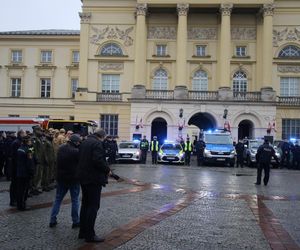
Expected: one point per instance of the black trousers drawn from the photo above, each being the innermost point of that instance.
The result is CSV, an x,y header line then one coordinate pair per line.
x,y
144,156
285,160
260,168
187,158
200,157
13,185
90,204
239,161
154,157
22,191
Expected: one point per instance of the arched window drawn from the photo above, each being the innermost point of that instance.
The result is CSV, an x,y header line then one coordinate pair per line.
x,y
200,81
111,49
290,51
160,80
240,82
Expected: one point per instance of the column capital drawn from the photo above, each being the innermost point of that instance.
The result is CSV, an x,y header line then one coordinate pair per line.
x,y
85,16
226,9
268,9
141,9
182,9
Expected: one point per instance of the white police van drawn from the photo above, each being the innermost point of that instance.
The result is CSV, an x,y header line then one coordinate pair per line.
x,y
219,147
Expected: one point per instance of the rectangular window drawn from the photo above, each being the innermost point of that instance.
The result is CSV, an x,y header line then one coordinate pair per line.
x,y
46,56
10,115
16,56
44,116
161,50
110,124
75,56
200,50
290,128
74,86
45,87
15,87
110,83
241,51
289,86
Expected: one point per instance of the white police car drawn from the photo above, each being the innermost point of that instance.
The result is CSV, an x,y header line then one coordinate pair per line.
x,y
171,152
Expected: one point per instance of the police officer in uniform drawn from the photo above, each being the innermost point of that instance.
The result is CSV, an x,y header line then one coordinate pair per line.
x,y
188,149
144,147
154,149
239,148
263,157
200,146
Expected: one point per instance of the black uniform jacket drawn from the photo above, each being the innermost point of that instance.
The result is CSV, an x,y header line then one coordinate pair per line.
x,y
93,168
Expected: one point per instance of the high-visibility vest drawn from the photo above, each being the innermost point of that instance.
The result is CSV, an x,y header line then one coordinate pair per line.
x,y
188,147
154,147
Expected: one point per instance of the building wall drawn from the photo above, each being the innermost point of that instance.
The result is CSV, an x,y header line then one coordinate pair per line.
x,y
115,21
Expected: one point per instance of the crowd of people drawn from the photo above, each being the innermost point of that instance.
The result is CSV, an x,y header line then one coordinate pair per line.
x,y
28,161
43,160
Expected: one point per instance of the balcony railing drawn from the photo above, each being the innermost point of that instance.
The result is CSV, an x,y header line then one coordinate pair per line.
x,y
247,96
109,97
203,95
160,94
288,100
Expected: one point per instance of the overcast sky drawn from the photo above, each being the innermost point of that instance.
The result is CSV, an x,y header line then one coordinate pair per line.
x,y
39,14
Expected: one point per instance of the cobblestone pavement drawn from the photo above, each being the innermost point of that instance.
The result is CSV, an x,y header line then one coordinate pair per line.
x,y
169,207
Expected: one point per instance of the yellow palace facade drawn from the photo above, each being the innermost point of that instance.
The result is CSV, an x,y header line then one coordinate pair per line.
x,y
167,68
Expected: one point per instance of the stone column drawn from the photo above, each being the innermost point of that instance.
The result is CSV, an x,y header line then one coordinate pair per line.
x,y
84,50
268,11
225,46
181,66
140,45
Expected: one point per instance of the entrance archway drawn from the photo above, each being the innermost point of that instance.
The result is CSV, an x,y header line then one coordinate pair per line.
x,y
159,129
203,121
245,129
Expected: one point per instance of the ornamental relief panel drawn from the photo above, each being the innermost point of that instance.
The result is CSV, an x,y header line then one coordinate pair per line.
x,y
111,33
243,33
287,34
162,32
111,66
198,33
288,68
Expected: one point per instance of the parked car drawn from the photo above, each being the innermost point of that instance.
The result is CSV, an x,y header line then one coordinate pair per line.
x,y
171,152
129,151
251,147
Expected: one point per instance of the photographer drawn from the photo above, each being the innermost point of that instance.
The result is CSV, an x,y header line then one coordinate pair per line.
x,y
93,172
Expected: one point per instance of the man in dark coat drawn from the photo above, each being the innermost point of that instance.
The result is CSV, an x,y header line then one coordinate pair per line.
x,y
24,172
263,158
67,179
285,158
93,172
240,148
2,154
144,147
14,152
200,147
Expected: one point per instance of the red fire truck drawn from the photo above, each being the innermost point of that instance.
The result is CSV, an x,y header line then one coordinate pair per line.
x,y
16,123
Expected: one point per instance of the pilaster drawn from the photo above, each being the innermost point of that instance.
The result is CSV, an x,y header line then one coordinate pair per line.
x,y
181,67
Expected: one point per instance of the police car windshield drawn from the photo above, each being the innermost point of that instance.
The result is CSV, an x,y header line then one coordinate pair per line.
x,y
128,145
218,139
255,144
170,146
